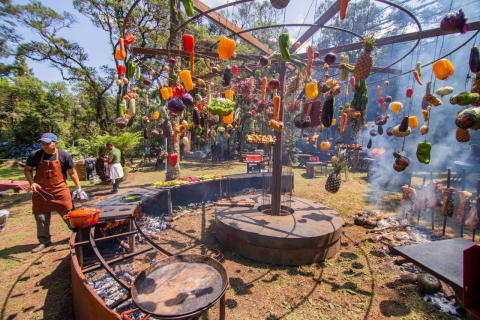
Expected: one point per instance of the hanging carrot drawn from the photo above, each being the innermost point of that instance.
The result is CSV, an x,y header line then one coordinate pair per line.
x,y
309,109
192,60
264,88
309,62
276,107
239,120
352,83
343,8
383,107
379,92
417,77
343,121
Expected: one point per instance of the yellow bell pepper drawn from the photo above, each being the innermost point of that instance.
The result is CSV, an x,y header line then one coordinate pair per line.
x,y
165,93
170,92
334,122
226,47
228,119
413,121
311,90
186,79
396,107
443,69
229,94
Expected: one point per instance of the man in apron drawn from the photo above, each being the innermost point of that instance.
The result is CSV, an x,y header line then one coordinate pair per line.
x,y
50,190
115,170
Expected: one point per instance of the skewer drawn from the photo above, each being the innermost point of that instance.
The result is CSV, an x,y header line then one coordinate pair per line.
x,y
449,171
478,193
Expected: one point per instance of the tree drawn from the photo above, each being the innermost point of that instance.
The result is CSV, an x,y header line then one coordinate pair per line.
x,y
66,56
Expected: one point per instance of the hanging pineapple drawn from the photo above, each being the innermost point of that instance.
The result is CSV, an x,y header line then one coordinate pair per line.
x,y
334,179
365,61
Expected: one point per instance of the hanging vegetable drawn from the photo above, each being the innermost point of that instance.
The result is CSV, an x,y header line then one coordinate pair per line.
x,y
176,105
325,145
129,39
172,159
121,71
276,107
369,144
343,8
131,107
404,125
327,112
443,69
192,62
264,61
352,83
229,94
424,129
430,98
330,58
186,79
474,61
226,47
273,84
138,74
188,42
121,54
264,88
284,44
469,118
343,121
413,121
397,133
122,107
417,77
443,91
311,90
464,99
463,135
425,115
146,136
454,21
228,119
235,69
131,69
418,68
310,57
227,76
423,152
401,162
344,68
409,92
257,74
188,5
187,100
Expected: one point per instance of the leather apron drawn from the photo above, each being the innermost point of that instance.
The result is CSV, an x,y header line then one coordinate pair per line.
x,y
50,177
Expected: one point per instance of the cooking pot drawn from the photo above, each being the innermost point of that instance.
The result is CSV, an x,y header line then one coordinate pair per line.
x,y
83,217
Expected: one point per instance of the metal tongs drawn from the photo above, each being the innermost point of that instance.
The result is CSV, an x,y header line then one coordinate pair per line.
x,y
44,192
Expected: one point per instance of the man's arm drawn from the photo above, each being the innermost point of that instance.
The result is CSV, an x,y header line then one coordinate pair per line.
x,y
28,171
73,174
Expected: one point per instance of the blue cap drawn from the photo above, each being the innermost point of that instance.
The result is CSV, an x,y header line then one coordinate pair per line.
x,y
48,137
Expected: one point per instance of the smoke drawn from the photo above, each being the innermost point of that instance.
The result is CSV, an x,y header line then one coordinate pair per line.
x,y
442,128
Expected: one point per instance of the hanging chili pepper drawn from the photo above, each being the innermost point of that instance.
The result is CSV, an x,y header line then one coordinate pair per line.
x,y
409,92
226,47
229,94
188,42
264,88
284,44
192,62
235,69
179,91
121,70
129,38
131,69
172,159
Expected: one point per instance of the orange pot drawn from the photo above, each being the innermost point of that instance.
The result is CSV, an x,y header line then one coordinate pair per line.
x,y
83,217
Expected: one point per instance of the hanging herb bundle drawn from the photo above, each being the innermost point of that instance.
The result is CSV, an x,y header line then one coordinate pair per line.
x,y
247,88
359,103
294,85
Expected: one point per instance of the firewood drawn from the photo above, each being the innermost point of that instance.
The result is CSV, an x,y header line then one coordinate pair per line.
x,y
400,261
446,290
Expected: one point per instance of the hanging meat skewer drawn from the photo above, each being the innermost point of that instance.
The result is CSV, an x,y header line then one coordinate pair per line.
x,y
473,220
421,199
464,204
432,194
447,197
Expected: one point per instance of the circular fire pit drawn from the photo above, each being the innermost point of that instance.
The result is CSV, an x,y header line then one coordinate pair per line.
x,y
310,233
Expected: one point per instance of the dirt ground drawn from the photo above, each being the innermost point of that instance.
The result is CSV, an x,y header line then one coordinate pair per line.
x,y
359,282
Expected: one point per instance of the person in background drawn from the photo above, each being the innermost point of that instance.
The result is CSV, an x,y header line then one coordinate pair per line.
x,y
159,156
49,186
90,166
147,153
115,168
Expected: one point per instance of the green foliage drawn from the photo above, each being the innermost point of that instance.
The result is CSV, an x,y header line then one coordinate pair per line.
x,y
96,145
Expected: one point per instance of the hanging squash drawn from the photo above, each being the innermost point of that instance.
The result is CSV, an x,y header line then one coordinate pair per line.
x,y
413,121
228,119
395,107
325,145
131,107
443,69
311,90
186,79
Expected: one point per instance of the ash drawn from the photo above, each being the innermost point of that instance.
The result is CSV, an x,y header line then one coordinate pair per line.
x,y
443,304
153,224
129,305
108,288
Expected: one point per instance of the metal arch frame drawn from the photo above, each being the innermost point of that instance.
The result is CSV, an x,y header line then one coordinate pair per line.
x,y
319,26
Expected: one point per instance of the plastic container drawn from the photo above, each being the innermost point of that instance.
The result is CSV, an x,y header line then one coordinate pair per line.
x,y
83,217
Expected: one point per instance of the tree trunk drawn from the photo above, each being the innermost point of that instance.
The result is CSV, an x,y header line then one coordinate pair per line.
x,y
173,147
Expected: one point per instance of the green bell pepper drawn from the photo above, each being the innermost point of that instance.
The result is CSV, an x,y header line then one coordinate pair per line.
x,y
284,43
258,73
131,69
188,4
423,152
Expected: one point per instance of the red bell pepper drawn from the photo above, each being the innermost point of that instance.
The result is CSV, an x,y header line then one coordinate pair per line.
x,y
121,71
172,159
235,69
188,42
409,92
180,91
129,38
199,107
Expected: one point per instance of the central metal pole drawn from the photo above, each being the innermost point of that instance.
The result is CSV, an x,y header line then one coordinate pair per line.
x,y
277,152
